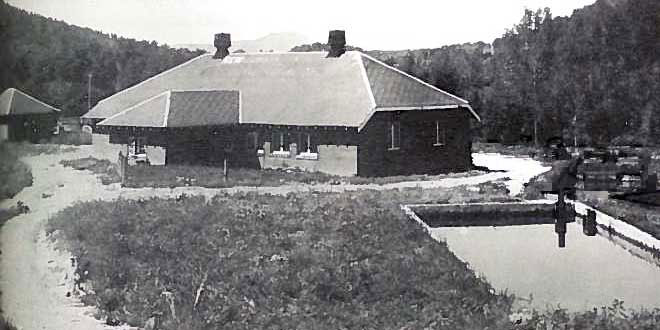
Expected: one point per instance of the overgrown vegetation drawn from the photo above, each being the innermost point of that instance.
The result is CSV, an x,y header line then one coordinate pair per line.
x,y
213,177
301,261
14,174
102,167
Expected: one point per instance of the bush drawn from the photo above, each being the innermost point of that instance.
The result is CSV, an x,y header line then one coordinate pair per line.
x,y
14,174
301,261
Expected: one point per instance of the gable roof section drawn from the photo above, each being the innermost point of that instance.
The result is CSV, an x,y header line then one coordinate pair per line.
x,y
181,109
15,102
298,89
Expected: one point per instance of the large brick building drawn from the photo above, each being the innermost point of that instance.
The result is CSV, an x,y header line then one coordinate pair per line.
x,y
340,112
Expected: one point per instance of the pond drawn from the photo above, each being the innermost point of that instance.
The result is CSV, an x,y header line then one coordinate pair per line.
x,y
525,260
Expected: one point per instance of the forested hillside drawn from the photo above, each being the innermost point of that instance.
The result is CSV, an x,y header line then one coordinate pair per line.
x,y
594,75
51,60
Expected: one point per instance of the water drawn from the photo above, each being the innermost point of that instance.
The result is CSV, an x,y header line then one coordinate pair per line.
x,y
590,272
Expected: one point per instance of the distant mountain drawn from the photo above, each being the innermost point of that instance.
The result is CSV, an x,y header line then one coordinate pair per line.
x,y
275,42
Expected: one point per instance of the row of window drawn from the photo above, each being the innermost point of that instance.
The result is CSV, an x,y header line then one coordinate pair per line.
x,y
394,135
280,141
307,143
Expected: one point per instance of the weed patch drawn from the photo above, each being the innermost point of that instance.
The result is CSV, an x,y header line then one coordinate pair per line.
x,y
301,261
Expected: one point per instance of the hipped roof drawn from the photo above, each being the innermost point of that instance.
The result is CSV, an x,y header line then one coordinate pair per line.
x,y
181,109
300,89
15,102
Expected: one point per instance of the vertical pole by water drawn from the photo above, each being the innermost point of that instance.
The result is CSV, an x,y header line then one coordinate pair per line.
x,y
224,169
561,219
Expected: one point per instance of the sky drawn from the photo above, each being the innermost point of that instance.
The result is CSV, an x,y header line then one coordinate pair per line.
x,y
369,24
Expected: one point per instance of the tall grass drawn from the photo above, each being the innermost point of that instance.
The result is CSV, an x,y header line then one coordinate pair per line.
x,y
301,261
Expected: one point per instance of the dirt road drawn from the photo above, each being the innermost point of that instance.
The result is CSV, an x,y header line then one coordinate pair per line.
x,y
35,278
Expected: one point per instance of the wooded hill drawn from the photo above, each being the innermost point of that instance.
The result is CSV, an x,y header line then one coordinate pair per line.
x,y
51,60
594,75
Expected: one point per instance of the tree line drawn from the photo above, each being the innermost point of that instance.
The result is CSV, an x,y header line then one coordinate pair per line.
x,y
52,60
591,78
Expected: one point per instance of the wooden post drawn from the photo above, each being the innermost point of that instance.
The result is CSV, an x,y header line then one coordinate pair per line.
x,y
224,171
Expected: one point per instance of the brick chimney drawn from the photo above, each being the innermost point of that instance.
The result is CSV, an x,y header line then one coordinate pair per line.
x,y
337,42
222,43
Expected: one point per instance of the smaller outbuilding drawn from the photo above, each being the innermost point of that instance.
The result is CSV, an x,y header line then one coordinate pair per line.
x,y
24,118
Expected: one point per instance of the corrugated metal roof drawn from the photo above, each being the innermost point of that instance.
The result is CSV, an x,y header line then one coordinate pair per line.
x,y
15,102
304,89
181,109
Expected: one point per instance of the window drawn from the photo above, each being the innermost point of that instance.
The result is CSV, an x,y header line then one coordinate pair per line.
x,y
137,145
440,135
280,142
394,135
306,143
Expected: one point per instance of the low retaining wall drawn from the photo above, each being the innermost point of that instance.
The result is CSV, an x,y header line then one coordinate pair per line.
x,y
483,214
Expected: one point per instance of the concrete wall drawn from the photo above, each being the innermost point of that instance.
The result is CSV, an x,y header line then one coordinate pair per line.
x,y
156,155
337,160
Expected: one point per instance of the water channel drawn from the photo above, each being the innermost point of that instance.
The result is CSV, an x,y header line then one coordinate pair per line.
x,y
525,260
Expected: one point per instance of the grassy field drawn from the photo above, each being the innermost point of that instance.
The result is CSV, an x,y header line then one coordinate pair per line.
x,y
213,177
301,261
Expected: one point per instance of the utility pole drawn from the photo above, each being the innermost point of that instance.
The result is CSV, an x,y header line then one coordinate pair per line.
x,y
89,91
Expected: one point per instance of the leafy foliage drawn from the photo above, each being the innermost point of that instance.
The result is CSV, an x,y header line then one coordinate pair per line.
x,y
301,261
51,60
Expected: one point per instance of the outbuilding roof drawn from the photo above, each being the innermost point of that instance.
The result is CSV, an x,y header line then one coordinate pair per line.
x,y
15,102
301,89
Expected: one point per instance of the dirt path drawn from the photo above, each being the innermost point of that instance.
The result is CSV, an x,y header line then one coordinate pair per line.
x,y
35,278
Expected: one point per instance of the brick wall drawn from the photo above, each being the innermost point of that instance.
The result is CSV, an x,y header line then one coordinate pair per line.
x,y
417,153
